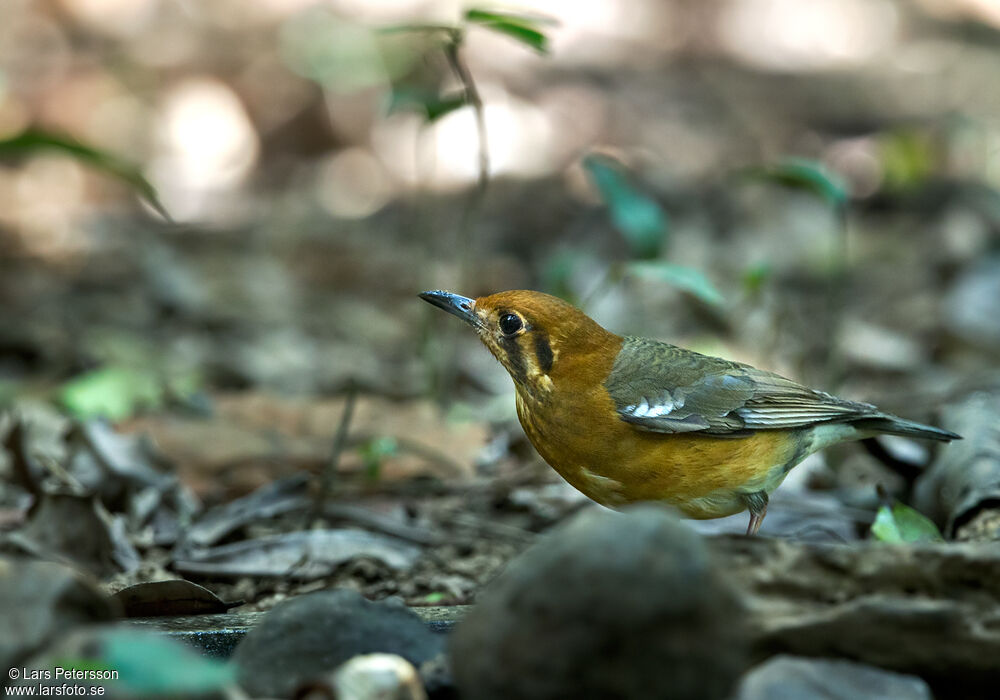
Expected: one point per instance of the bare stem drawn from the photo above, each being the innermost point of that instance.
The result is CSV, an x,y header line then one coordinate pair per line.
x,y
474,205
452,52
339,442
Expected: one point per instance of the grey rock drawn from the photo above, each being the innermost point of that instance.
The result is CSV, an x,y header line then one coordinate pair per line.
x,y
307,636
623,605
39,601
377,677
970,305
931,610
437,679
964,479
794,678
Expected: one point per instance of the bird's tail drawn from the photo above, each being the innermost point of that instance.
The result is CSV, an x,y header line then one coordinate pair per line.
x,y
891,425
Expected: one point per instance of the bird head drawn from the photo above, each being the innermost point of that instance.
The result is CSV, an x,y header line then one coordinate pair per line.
x,y
526,331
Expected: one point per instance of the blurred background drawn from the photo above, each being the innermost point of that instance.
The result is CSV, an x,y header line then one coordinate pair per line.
x,y
811,187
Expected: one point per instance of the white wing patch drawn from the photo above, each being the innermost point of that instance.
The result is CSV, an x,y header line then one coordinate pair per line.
x,y
659,407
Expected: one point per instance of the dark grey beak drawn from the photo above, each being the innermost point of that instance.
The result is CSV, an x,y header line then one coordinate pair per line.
x,y
454,304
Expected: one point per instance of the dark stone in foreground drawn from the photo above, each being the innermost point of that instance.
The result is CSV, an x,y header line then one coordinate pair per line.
x,y
306,636
215,636
795,678
40,601
622,605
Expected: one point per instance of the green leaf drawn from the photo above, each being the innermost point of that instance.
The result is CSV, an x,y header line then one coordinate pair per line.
x,y
111,392
755,276
34,141
374,452
638,217
686,278
809,175
907,158
151,665
421,28
900,523
524,28
435,598
341,55
432,105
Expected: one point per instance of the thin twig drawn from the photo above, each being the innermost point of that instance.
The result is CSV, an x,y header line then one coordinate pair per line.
x,y
474,204
373,520
339,442
491,528
452,51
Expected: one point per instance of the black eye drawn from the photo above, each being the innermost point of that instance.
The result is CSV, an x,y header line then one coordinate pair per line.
x,y
510,324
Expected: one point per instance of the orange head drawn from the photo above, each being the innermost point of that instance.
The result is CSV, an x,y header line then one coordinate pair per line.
x,y
526,331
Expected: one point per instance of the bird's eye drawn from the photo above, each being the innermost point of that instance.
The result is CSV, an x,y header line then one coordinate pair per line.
x,y
510,324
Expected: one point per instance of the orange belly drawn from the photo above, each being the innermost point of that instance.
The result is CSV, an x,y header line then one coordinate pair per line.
x,y
614,463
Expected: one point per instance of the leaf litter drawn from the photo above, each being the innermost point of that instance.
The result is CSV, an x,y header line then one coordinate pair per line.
x,y
113,504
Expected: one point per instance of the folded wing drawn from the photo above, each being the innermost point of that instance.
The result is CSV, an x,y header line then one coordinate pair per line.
x,y
662,388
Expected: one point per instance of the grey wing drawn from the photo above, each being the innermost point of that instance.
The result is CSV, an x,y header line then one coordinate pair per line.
x,y
663,388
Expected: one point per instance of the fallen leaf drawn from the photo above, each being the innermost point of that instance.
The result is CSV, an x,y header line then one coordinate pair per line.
x,y
79,530
175,597
266,502
900,523
302,555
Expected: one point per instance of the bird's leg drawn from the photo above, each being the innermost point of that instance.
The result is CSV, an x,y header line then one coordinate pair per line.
x,y
757,504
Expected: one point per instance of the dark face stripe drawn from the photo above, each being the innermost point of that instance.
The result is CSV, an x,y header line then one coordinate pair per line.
x,y
543,351
515,358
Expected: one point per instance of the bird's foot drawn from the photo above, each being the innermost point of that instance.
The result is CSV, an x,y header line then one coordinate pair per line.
x,y
757,504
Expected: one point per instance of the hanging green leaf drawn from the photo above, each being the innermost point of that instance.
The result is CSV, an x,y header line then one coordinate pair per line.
x,y
806,174
638,217
429,103
420,28
900,523
34,141
686,278
524,28
342,55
